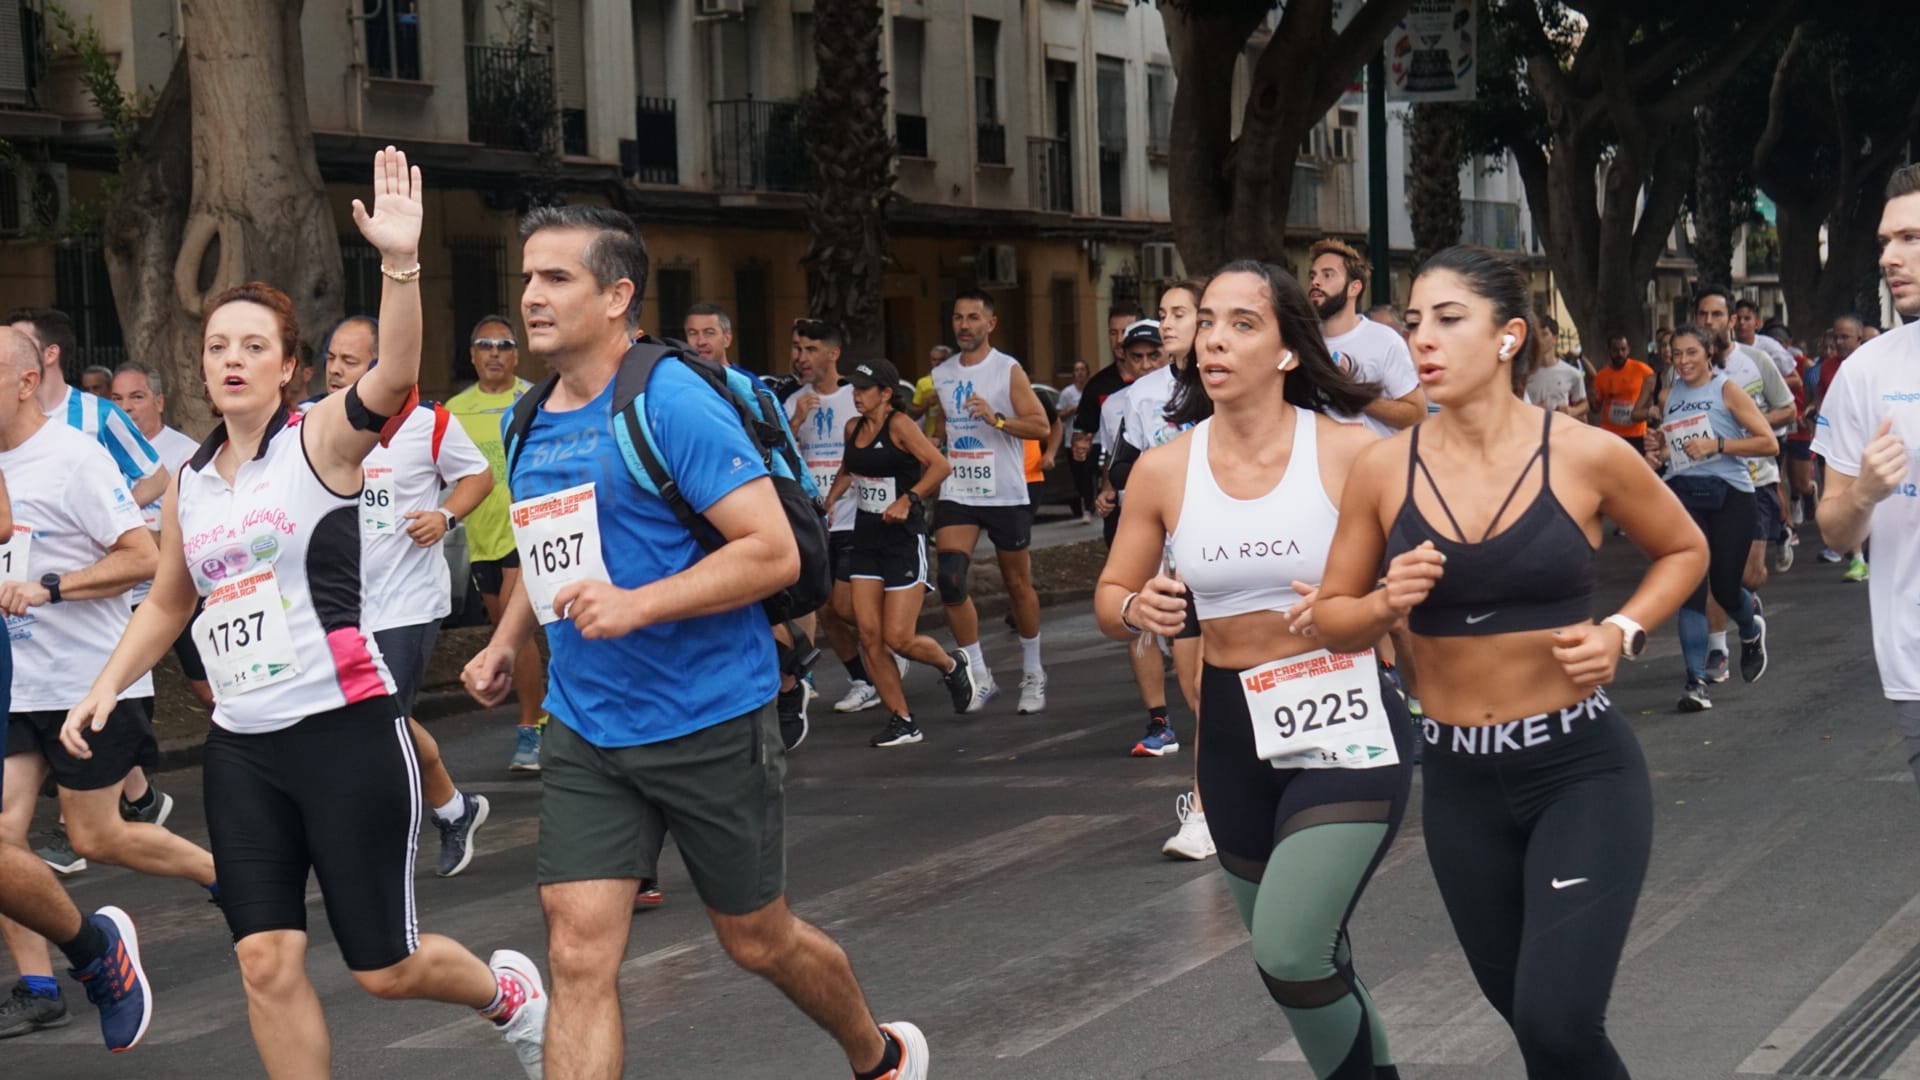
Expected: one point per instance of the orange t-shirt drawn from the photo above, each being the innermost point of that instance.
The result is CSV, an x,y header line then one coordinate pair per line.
x,y
1034,475
1617,391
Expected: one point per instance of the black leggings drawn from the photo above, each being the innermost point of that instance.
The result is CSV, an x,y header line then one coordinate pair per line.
x,y
1539,832
1729,530
1298,847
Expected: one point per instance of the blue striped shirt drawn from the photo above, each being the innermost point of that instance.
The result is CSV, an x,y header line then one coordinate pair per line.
x,y
105,421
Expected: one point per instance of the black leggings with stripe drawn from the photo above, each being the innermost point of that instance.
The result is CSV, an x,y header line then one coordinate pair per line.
x,y
1298,847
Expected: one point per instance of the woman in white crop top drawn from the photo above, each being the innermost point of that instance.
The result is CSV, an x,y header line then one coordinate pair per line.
x,y
309,767
1303,764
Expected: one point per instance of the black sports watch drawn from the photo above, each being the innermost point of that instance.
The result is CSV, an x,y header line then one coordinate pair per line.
x,y
51,583
913,497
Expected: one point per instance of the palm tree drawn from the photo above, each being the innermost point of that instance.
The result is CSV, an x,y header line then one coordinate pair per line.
x,y
1433,178
852,155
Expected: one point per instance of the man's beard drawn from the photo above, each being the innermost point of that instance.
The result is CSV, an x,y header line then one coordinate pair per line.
x,y
1333,305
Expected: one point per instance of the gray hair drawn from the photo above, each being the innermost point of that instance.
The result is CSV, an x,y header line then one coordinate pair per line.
x,y
98,369
152,376
491,320
373,330
615,251
715,310
941,352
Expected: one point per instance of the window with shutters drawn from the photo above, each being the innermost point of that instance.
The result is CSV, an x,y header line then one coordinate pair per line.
x,y
393,38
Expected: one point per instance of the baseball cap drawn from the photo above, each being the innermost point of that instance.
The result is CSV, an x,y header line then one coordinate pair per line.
x,y
1145,330
870,373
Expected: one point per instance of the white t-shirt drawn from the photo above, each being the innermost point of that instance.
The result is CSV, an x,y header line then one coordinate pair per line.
x,y
1113,413
1880,380
175,449
1069,400
1776,352
1556,385
406,584
1750,370
1374,353
823,443
1146,410
69,493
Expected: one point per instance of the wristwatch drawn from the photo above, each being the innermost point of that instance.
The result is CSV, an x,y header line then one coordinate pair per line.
x,y
51,583
999,421
1633,636
913,497
452,521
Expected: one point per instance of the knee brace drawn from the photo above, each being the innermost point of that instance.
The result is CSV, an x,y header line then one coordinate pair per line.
x,y
951,576
796,659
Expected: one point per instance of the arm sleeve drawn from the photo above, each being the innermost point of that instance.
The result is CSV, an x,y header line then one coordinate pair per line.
x,y
132,453
1845,422
701,442
459,456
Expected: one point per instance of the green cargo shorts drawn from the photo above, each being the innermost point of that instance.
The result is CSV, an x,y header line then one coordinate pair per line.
x,y
605,812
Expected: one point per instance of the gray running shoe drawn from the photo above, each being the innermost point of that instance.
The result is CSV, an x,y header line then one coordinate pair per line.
x,y
56,851
25,1012
156,813
456,837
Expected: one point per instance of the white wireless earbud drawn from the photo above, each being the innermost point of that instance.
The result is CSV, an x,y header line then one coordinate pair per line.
x,y
1507,342
1286,361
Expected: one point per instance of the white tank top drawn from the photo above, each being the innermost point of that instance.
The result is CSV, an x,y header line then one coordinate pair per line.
x,y
989,465
277,516
1242,555
823,442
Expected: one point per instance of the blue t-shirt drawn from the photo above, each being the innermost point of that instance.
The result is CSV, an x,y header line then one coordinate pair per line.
x,y
663,681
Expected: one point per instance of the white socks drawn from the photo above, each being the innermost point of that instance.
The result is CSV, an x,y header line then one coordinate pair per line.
x,y
979,659
1030,653
1717,641
451,812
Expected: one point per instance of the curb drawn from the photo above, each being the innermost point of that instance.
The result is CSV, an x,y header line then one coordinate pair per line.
x,y
188,752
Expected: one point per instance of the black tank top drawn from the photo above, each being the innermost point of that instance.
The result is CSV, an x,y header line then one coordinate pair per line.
x,y
1537,574
879,460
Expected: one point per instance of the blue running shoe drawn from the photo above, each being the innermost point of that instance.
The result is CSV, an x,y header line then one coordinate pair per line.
x,y
526,751
116,984
1159,741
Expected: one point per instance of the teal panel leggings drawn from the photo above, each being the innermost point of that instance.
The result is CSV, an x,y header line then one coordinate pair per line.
x,y
1298,846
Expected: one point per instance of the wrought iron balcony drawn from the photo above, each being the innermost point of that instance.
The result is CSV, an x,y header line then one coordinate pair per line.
x,y
1050,174
510,98
990,144
910,135
758,145
1113,165
656,130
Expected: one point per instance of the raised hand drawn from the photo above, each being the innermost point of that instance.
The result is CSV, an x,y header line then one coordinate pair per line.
x,y
393,228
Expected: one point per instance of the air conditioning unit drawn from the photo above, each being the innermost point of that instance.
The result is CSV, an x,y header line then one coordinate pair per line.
x,y
995,267
34,199
722,9
1157,262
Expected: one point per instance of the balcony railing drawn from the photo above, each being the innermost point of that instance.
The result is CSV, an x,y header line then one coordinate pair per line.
x,y
656,133
1490,223
1050,174
910,135
990,144
510,98
758,146
1113,164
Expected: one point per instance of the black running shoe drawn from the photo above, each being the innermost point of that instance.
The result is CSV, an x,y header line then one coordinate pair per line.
x,y
960,681
1695,699
1753,654
792,707
900,731
24,1011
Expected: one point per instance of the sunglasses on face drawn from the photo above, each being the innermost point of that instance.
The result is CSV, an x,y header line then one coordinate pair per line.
x,y
493,343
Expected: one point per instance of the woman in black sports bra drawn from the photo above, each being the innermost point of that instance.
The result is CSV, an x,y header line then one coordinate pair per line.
x,y
892,469
1538,809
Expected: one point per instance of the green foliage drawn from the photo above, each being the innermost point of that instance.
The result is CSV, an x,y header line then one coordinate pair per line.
x,y
79,39
521,88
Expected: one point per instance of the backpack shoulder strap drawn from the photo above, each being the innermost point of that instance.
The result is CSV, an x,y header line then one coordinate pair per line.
x,y
521,418
634,435
441,417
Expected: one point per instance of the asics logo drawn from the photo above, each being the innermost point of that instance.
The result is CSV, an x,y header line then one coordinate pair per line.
x,y
1569,883
1475,620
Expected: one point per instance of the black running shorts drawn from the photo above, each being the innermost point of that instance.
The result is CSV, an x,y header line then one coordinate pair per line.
x,y
896,562
489,575
337,794
1010,528
126,741
840,554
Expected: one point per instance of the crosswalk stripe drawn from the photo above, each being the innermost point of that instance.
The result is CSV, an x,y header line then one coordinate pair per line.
x,y
1435,1014
684,975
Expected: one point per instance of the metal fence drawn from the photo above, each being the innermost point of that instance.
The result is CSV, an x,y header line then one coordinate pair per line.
x,y
1050,174
758,145
510,98
990,144
657,131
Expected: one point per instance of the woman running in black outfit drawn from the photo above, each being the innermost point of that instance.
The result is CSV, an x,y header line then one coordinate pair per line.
x,y
1538,810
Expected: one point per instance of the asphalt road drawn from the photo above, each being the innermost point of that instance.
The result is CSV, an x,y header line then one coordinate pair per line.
x,y
1001,885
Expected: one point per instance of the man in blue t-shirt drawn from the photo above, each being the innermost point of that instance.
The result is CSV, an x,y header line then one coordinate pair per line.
x,y
662,681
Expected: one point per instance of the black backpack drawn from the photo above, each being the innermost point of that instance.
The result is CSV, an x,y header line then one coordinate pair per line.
x,y
766,426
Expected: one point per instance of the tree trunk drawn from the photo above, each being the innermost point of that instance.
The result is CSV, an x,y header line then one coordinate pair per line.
x,y
1433,194
1230,196
1713,184
231,127
846,257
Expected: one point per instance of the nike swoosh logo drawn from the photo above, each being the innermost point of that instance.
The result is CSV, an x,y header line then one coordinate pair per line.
x,y
1569,883
1474,619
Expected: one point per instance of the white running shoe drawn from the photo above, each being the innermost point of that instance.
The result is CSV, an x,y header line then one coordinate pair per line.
x,y
527,1031
1033,692
1193,841
860,697
984,690
913,1051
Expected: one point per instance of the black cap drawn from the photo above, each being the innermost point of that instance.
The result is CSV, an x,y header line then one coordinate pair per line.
x,y
1144,330
871,373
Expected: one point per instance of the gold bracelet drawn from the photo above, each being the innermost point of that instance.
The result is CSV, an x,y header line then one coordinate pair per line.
x,y
402,276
